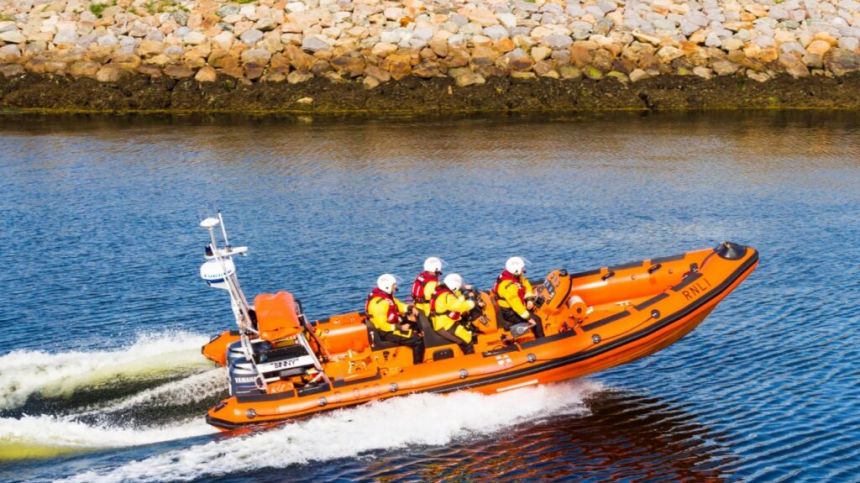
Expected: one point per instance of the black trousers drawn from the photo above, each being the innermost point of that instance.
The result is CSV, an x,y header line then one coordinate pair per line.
x,y
509,318
416,343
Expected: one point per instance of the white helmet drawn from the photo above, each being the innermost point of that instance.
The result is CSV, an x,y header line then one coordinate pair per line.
x,y
433,264
515,265
386,282
453,281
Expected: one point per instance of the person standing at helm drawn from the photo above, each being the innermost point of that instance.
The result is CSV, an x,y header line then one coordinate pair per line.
x,y
388,315
516,297
425,284
447,307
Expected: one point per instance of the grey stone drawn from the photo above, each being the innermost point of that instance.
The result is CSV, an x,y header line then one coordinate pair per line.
x,y
557,41
713,40
458,19
65,37
316,43
848,43
180,16
595,11
228,9
251,36
663,24
607,5
496,32
13,37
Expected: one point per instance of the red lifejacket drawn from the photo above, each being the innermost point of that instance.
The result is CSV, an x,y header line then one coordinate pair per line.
x,y
393,313
506,275
420,283
441,290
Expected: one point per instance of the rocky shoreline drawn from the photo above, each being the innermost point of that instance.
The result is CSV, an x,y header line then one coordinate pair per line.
x,y
416,56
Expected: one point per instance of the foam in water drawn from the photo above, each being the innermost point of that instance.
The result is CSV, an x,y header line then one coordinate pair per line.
x,y
38,436
421,419
188,390
25,373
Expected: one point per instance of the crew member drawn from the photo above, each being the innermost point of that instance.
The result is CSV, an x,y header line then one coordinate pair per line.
x,y
516,297
425,284
447,307
389,317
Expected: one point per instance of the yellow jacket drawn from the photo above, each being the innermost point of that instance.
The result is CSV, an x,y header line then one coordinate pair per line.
x,y
449,306
386,317
508,293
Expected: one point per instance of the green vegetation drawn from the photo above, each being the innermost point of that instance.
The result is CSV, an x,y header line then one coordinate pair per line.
x,y
97,9
244,1
161,6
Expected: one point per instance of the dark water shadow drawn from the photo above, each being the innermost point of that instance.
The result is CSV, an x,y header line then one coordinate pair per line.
x,y
626,436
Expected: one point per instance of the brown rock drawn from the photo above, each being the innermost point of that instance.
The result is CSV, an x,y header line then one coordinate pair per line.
x,y
298,58
484,55
546,68
793,65
370,83
843,61
150,70
469,78
426,70
818,47
254,70
399,65
297,77
11,70
725,67
148,48
826,37
377,73
206,74
178,71
580,53
84,69
108,73
350,66
320,68
439,43
504,45
457,57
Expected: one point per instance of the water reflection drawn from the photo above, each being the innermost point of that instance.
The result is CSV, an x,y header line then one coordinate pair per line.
x,y
626,436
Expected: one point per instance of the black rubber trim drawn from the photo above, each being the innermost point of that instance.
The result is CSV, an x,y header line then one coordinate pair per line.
x,y
607,320
563,361
555,363
342,383
585,273
234,332
503,350
692,277
266,397
548,339
653,300
670,258
626,265
314,390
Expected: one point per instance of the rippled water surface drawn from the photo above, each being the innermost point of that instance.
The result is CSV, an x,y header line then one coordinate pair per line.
x,y
102,312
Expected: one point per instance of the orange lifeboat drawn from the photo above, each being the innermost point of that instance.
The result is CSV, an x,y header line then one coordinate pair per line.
x,y
592,320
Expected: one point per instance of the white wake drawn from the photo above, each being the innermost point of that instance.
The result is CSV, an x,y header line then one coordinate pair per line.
x,y
24,372
41,435
421,419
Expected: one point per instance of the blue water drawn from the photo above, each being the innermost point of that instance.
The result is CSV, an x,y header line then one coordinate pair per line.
x,y
102,312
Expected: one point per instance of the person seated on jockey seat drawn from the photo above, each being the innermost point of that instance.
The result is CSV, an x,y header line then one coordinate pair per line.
x,y
447,307
516,298
388,315
425,284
